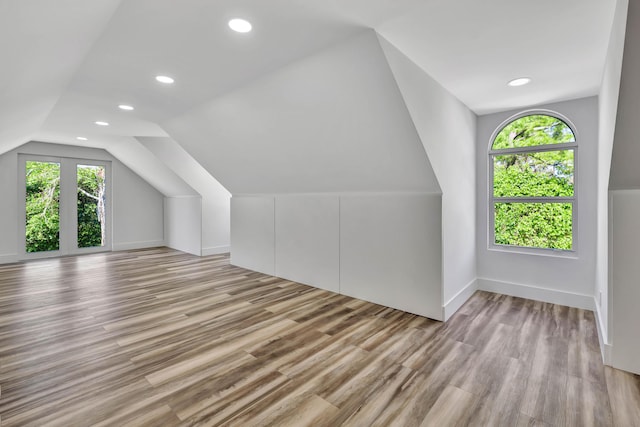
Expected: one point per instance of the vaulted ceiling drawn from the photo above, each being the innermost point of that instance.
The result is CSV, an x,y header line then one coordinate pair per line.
x,y
69,63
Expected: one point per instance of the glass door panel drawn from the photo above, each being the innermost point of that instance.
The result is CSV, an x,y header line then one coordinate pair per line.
x,y
91,227
42,203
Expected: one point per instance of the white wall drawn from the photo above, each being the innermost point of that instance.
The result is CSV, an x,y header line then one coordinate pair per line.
x,y
624,186
307,240
391,251
138,217
331,122
8,207
608,108
216,199
567,280
625,271
137,207
447,129
383,248
183,223
253,233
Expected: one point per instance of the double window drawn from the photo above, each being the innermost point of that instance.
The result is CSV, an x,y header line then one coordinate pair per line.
x,y
532,198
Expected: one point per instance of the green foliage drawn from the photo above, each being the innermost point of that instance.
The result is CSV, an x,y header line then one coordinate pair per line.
x,y
534,174
541,174
535,130
43,206
90,180
536,225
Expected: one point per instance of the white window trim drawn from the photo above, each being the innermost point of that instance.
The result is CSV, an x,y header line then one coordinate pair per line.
x,y
491,200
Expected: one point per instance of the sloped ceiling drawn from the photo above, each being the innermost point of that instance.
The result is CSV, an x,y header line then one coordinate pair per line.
x,y
216,200
332,122
438,116
473,48
69,63
41,46
137,157
625,174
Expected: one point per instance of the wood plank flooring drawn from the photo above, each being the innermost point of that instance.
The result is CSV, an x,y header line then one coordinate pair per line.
x,y
160,338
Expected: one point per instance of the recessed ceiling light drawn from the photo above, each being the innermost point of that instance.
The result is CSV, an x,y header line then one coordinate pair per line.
x,y
521,81
82,138
102,123
125,107
240,25
165,79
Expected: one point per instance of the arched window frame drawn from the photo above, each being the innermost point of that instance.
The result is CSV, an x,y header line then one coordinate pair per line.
x,y
550,147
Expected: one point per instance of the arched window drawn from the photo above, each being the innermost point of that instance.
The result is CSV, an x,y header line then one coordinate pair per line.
x,y
532,183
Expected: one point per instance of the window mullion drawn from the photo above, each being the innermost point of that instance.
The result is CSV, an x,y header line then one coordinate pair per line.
x,y
533,149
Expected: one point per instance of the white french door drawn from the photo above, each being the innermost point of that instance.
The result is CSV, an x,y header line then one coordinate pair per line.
x,y
65,206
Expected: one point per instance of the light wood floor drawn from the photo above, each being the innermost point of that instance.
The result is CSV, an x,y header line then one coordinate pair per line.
x,y
157,337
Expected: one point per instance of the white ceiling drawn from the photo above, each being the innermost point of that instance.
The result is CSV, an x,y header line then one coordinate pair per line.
x,y
85,58
473,48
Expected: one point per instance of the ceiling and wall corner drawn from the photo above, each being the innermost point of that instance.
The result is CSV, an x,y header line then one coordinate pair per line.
x,y
137,158
474,48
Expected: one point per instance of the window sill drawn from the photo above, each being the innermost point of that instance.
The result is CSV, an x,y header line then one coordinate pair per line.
x,y
553,253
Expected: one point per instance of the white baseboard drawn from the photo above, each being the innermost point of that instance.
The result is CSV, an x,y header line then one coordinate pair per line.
x,y
9,259
553,296
241,264
138,245
605,347
216,250
450,307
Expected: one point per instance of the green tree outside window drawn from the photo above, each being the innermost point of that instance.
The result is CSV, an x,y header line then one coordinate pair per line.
x,y
533,165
